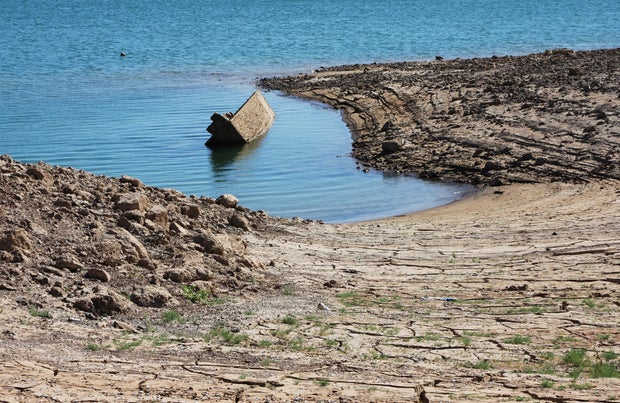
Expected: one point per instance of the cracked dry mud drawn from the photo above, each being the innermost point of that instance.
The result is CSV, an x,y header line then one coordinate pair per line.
x,y
511,294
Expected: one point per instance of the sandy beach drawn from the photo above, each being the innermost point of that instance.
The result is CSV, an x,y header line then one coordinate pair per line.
x,y
115,291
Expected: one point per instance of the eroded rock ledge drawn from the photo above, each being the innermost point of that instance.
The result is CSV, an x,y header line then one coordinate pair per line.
x,y
553,116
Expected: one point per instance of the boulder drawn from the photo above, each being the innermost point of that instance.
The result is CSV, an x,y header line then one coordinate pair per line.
x,y
69,261
15,239
227,200
210,243
239,221
110,302
132,181
132,201
98,274
390,147
131,245
159,215
152,297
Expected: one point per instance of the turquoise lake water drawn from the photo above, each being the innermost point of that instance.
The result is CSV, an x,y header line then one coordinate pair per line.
x,y
68,98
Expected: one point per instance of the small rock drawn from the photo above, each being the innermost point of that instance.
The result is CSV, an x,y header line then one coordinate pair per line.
x,y
37,173
158,215
239,221
132,201
57,291
15,239
153,297
63,203
390,147
193,212
124,326
178,229
210,243
98,274
131,245
132,181
70,262
83,304
227,200
108,302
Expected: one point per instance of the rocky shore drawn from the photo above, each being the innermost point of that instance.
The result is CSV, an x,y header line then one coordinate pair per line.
x,y
111,290
538,118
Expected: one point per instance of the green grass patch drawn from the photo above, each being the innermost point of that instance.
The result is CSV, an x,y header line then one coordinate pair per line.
x,y
482,364
581,386
123,345
195,294
576,357
518,339
350,298
547,383
288,289
93,347
172,316
322,382
39,313
428,337
290,320
604,370
524,310
225,335
159,340
589,302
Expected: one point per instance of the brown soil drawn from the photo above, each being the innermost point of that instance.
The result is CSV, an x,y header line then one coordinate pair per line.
x,y
114,291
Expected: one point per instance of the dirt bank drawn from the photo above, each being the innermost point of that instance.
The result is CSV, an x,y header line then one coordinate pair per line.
x,y
114,291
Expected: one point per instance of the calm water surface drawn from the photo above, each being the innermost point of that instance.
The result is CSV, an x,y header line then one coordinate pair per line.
x,y
67,97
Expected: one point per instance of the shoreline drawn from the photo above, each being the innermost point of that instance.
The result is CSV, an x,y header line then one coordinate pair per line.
x,y
112,290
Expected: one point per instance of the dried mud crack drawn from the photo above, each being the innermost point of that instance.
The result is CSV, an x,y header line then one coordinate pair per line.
x,y
115,291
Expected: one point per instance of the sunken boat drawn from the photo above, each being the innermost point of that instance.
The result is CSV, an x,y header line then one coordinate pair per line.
x,y
251,121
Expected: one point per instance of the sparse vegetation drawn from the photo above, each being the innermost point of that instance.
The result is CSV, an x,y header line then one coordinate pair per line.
x,y
290,320
604,370
126,344
482,364
589,302
466,340
576,357
39,313
547,383
93,347
322,382
518,339
195,294
288,289
172,316
226,335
